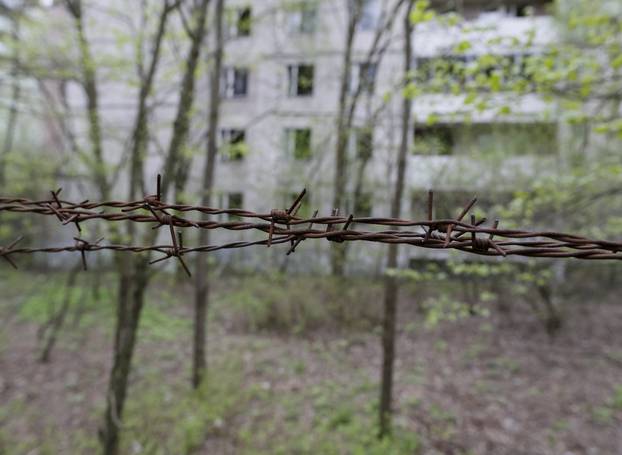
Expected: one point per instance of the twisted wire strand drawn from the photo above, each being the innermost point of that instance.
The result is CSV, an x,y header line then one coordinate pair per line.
x,y
283,226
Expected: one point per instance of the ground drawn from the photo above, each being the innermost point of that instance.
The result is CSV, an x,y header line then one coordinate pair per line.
x,y
495,384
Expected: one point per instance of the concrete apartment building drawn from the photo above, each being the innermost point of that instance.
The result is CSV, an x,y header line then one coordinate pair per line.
x,y
281,87
283,63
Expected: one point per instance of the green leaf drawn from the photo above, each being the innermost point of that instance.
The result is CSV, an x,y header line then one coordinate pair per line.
x,y
463,46
432,119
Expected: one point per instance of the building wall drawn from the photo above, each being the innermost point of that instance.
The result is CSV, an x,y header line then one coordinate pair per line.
x,y
267,176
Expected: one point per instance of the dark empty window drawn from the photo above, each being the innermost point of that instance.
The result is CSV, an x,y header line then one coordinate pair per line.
x,y
234,82
237,22
233,145
364,75
304,211
363,205
300,80
364,143
434,140
298,143
533,8
234,201
524,10
447,204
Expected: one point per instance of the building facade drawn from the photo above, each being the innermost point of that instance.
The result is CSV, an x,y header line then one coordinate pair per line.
x,y
280,86
284,61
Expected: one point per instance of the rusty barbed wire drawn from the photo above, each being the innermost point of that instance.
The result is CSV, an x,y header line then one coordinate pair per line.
x,y
284,226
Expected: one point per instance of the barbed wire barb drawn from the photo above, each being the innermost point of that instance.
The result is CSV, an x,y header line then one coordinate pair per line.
x,y
285,226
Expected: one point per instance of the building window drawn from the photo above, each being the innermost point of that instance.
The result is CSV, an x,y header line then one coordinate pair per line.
x,y
363,205
298,143
364,74
370,14
447,204
234,82
520,8
506,139
448,6
473,10
233,144
363,142
301,18
237,22
305,204
234,201
300,80
497,139
434,140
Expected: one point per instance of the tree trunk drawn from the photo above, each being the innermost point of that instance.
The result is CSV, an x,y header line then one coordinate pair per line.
x,y
133,295
133,275
338,251
89,83
346,111
140,136
199,361
174,164
58,319
11,124
390,282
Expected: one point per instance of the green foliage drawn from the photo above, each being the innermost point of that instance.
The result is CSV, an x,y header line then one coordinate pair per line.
x,y
617,398
445,309
235,151
605,413
163,418
602,415
421,12
262,305
342,422
156,324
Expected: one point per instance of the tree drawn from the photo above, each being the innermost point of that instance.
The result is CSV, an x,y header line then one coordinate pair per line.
x,y
390,281
133,275
139,275
14,17
579,77
201,299
347,104
89,83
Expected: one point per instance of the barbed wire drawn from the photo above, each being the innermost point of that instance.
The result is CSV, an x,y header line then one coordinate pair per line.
x,y
284,226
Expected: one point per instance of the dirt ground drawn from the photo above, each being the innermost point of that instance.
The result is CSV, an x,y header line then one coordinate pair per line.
x,y
494,385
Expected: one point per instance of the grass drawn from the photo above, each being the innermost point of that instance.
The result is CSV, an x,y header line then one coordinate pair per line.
x,y
187,417
260,305
270,390
157,322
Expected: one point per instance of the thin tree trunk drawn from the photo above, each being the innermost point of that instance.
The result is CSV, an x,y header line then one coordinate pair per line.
x,y
125,339
338,252
133,275
141,128
346,111
173,167
201,301
89,84
58,319
11,124
390,282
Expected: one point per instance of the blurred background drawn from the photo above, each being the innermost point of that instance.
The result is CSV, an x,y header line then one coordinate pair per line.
x,y
339,348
